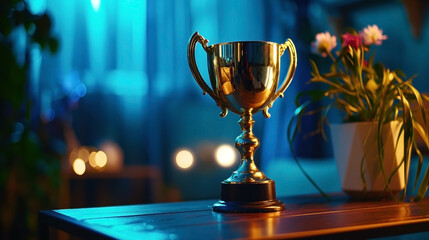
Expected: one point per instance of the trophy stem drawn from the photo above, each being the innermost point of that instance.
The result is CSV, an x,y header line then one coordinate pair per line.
x,y
246,143
248,189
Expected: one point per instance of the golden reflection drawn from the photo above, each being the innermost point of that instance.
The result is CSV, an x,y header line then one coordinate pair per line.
x,y
262,225
227,73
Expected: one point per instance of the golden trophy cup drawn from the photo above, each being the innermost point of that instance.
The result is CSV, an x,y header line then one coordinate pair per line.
x,y
244,77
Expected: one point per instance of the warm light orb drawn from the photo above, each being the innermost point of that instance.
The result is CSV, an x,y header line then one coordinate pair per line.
x,y
73,155
92,161
83,154
79,166
225,155
101,159
114,155
184,159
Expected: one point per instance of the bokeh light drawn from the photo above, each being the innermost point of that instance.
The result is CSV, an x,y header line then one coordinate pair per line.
x,y
96,159
92,161
184,159
101,159
83,154
114,155
225,155
73,155
79,166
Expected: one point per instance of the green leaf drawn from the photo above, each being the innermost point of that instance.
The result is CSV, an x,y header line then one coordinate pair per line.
x,y
314,68
315,95
291,134
332,84
423,187
419,165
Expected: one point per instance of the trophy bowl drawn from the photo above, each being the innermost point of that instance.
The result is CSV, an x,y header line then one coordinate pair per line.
x,y
244,79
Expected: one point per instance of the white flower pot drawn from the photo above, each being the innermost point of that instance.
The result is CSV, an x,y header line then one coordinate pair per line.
x,y
357,142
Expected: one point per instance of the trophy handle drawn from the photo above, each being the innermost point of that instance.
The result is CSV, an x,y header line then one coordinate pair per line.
x,y
291,71
196,73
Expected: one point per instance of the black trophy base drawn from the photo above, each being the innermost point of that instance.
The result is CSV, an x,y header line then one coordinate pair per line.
x,y
248,197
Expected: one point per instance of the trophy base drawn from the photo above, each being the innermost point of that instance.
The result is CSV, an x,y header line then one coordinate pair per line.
x,y
248,197
248,207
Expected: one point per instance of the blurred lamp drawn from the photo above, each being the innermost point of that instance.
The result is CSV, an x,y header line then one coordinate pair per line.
x,y
184,159
114,154
101,159
79,166
225,155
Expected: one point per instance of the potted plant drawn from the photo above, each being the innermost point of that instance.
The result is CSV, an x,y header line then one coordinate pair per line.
x,y
374,142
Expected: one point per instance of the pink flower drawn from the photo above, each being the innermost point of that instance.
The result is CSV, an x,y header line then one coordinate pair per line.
x,y
324,43
351,40
372,35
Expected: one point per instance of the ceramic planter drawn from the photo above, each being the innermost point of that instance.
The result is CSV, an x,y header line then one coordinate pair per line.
x,y
357,142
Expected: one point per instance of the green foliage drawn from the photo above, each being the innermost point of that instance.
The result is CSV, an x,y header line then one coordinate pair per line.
x,y
29,169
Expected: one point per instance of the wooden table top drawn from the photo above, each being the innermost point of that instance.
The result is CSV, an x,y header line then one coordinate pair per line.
x,y
304,217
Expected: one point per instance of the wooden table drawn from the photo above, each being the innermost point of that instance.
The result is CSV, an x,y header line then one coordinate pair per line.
x,y
304,217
